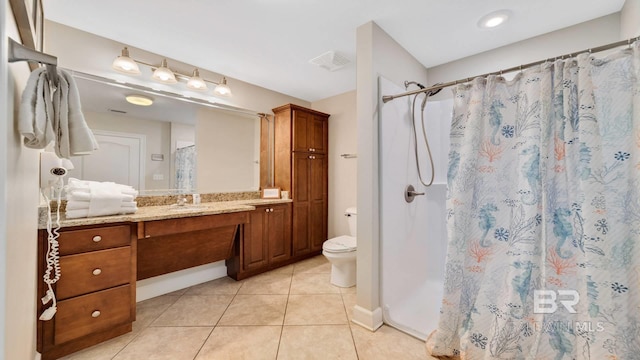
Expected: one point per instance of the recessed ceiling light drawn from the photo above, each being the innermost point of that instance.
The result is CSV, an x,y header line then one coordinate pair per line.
x,y
139,100
494,19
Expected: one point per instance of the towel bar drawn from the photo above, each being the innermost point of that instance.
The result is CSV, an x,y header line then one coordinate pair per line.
x,y
19,52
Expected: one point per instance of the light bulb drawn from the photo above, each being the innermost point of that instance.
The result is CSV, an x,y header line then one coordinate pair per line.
x,y
164,74
494,19
140,100
222,88
125,64
195,82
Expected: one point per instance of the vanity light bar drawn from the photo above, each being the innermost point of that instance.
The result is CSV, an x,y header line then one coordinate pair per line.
x,y
128,65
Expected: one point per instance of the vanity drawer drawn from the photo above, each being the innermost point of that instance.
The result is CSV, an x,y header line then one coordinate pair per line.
x,y
77,241
91,313
97,270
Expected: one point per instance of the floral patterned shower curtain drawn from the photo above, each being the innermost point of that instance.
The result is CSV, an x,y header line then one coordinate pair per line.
x,y
186,168
544,214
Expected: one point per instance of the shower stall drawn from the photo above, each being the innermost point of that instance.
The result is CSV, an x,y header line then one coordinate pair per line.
x,y
413,236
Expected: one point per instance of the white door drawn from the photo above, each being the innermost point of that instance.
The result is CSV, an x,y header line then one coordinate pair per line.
x,y
120,159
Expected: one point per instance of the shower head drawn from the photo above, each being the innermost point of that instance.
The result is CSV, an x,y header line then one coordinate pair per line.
x,y
433,92
407,83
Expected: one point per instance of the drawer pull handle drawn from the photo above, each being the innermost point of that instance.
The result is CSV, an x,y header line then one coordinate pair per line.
x,y
97,272
97,238
95,314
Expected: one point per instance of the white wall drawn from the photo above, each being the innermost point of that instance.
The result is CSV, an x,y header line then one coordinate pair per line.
x,y
158,141
343,139
377,54
579,37
226,163
630,19
18,213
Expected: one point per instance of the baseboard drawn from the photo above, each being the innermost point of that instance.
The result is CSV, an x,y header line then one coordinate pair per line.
x,y
164,284
370,320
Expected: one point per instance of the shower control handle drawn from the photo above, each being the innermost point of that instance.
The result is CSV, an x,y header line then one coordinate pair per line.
x,y
410,193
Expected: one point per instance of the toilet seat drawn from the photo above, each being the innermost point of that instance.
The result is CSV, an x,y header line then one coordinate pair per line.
x,y
340,244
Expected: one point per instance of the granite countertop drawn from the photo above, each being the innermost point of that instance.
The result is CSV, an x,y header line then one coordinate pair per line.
x,y
149,213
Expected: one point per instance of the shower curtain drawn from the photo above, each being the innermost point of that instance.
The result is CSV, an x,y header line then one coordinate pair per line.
x,y
543,214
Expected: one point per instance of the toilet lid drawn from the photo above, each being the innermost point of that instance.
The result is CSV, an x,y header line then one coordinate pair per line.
x,y
342,243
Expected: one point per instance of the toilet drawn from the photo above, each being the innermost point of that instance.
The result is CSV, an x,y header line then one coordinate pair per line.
x,y
341,253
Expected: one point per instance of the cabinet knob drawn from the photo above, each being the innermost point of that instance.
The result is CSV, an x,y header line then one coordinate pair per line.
x,y
95,314
266,210
97,238
312,157
97,272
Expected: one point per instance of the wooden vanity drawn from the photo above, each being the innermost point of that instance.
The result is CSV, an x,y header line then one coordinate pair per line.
x,y
102,258
96,292
165,246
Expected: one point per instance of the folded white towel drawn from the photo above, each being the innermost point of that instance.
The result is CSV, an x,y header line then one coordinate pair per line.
x,y
80,213
86,196
105,199
77,205
94,198
77,185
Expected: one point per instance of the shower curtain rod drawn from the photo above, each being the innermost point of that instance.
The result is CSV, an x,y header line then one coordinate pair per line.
x,y
387,98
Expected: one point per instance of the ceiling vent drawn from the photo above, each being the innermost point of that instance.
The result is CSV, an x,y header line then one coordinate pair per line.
x,y
331,61
118,111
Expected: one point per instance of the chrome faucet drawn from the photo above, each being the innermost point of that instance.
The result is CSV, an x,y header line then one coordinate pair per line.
x,y
182,200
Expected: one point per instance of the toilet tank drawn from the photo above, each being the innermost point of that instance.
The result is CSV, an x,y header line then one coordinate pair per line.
x,y
351,215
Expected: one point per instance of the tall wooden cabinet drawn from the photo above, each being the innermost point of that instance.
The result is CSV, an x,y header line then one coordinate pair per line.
x,y
301,167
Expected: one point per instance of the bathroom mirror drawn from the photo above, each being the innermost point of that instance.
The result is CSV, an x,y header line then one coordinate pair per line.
x,y
174,145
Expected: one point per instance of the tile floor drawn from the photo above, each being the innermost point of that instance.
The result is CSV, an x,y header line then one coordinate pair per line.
x,y
289,313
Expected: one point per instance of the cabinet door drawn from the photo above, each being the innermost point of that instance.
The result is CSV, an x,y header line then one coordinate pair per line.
x,y
279,233
255,246
318,134
301,128
301,203
318,201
